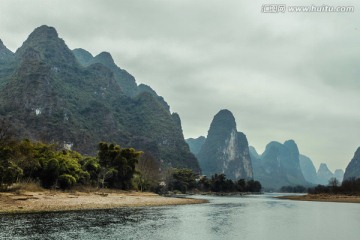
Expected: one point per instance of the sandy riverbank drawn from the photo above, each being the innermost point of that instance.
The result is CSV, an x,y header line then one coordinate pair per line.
x,y
324,198
47,201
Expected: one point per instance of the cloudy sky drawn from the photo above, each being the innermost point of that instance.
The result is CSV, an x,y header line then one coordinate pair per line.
x,y
283,75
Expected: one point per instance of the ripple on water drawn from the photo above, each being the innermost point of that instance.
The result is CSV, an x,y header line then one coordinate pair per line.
x,y
258,217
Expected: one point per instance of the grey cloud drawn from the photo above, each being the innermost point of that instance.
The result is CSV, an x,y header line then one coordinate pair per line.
x,y
292,75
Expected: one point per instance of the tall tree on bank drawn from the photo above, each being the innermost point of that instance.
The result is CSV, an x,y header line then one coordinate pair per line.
x,y
118,164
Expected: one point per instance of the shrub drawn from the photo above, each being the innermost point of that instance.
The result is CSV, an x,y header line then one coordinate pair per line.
x,y
66,181
9,173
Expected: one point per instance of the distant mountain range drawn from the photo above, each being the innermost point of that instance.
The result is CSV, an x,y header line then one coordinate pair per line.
x,y
278,166
322,175
225,150
71,98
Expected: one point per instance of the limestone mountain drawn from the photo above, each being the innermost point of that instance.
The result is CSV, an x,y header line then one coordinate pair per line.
x,y
253,153
6,63
279,166
324,174
125,80
145,88
84,57
339,175
195,144
225,150
308,169
69,97
5,54
353,168
256,162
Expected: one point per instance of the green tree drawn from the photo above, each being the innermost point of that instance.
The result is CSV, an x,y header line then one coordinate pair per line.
x,y
253,186
218,183
66,181
25,158
9,173
54,163
182,180
204,184
117,165
92,166
241,185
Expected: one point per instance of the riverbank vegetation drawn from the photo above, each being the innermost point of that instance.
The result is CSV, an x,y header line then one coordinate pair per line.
x,y
294,189
348,187
184,180
51,166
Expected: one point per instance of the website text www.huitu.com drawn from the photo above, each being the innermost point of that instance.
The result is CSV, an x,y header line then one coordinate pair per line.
x,y
283,8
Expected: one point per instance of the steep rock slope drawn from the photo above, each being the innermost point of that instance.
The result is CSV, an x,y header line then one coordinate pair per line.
x,y
7,61
125,80
5,54
56,96
324,174
225,150
353,168
279,166
195,144
308,169
256,163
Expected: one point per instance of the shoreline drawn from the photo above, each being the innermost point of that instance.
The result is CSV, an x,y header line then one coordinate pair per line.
x,y
323,198
55,201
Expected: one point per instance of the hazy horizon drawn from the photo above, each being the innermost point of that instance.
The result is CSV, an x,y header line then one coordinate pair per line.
x,y
283,75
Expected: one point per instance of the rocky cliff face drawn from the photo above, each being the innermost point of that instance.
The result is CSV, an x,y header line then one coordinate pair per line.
x,y
225,150
353,168
279,166
308,169
195,144
5,54
7,59
324,174
253,153
126,81
59,96
256,163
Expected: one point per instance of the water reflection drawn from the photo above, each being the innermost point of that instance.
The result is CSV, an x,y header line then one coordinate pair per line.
x,y
254,217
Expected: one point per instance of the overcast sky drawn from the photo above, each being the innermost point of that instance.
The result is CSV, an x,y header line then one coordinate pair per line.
x,y
283,75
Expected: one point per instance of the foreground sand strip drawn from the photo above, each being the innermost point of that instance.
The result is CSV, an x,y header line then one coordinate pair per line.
x,y
49,201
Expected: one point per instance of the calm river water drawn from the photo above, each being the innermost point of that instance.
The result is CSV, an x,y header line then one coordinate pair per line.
x,y
252,217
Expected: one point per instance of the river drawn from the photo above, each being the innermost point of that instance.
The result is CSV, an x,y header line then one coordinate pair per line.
x,y
255,217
